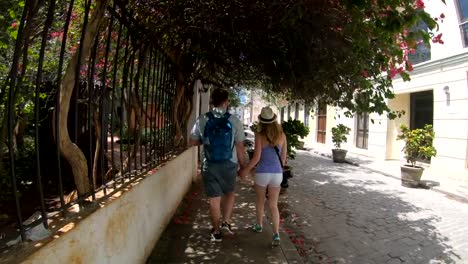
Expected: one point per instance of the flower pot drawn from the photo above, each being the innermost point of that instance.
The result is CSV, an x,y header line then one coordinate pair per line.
x,y
339,155
300,145
411,176
287,173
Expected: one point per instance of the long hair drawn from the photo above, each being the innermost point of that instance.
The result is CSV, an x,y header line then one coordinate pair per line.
x,y
272,132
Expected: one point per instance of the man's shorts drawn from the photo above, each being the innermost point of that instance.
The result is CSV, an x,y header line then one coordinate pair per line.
x,y
219,178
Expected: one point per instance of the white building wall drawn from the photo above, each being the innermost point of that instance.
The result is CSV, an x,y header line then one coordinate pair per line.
x,y
450,110
448,67
377,134
450,29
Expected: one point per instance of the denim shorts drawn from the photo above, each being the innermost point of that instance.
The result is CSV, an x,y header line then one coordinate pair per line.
x,y
219,178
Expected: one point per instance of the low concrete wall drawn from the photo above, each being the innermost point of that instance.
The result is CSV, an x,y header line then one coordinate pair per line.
x,y
125,230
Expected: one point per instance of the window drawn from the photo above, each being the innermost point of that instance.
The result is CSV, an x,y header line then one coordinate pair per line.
x,y
423,51
289,113
463,14
296,112
306,115
362,131
464,29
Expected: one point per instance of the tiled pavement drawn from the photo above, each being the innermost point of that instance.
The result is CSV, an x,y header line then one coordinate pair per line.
x,y
332,213
185,240
350,214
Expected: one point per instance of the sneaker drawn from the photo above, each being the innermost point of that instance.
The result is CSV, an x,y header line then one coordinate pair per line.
x,y
216,237
276,240
257,228
227,227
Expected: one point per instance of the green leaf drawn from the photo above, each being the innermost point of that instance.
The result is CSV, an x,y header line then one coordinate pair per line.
x,y
405,76
12,13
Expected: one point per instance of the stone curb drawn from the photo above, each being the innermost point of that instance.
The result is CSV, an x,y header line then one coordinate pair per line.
x,y
289,250
455,196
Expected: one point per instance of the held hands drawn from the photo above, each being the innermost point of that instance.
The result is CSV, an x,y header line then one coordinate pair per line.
x,y
243,173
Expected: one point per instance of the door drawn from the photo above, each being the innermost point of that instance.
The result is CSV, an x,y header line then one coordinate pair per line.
x,y
422,112
362,130
321,123
306,115
422,109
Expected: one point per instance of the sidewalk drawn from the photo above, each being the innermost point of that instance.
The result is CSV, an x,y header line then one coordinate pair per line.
x,y
186,238
451,183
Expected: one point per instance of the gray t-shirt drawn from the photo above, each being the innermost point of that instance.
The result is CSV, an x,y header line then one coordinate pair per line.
x,y
237,129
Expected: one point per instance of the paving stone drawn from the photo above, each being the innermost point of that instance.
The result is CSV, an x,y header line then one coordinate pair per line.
x,y
394,261
362,215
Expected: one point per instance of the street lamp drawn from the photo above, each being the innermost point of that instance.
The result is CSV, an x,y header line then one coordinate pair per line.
x,y
447,94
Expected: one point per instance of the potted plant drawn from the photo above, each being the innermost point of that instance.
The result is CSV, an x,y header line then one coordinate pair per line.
x,y
418,144
293,129
339,136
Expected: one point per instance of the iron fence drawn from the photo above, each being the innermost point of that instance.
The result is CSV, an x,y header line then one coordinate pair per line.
x,y
119,117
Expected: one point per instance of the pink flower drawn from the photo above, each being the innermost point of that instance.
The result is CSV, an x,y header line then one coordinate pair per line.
x,y
14,25
438,39
56,34
392,73
409,66
420,4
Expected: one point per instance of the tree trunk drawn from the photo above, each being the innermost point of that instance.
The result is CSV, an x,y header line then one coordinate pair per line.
x,y
179,108
69,150
18,132
97,151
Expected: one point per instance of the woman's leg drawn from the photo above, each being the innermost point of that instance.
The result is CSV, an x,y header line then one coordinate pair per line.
x,y
260,203
273,194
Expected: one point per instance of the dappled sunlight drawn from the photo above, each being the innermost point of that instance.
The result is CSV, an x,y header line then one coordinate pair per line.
x,y
321,182
186,239
67,228
346,202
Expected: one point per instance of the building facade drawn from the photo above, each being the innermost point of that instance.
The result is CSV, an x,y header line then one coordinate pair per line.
x,y
437,94
253,106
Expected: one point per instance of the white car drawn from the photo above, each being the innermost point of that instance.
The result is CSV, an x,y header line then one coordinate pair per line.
x,y
249,134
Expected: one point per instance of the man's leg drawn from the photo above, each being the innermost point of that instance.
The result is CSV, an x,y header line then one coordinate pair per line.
x,y
229,174
214,192
215,212
228,204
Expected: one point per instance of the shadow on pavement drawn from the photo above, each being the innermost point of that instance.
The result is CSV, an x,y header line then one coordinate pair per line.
x,y
335,217
186,239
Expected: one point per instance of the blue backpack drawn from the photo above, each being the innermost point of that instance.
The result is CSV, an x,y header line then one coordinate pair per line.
x,y
217,138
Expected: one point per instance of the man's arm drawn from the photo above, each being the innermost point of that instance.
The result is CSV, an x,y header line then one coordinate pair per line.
x,y
195,135
239,138
240,153
194,142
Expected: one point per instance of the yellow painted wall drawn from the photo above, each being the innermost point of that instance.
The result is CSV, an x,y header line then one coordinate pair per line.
x,y
394,146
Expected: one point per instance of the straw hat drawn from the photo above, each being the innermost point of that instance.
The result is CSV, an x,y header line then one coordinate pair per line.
x,y
267,116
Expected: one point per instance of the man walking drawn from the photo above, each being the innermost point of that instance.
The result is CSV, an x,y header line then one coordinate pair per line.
x,y
222,137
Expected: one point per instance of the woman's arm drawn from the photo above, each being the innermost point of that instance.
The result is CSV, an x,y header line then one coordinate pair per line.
x,y
257,153
284,150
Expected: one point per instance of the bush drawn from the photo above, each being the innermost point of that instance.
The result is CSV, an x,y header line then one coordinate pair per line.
x,y
293,129
418,143
24,171
339,135
253,127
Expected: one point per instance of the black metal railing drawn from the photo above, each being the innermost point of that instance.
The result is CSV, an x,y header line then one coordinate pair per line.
x,y
119,115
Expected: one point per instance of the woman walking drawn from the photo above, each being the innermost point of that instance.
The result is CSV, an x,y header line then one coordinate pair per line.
x,y
269,155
